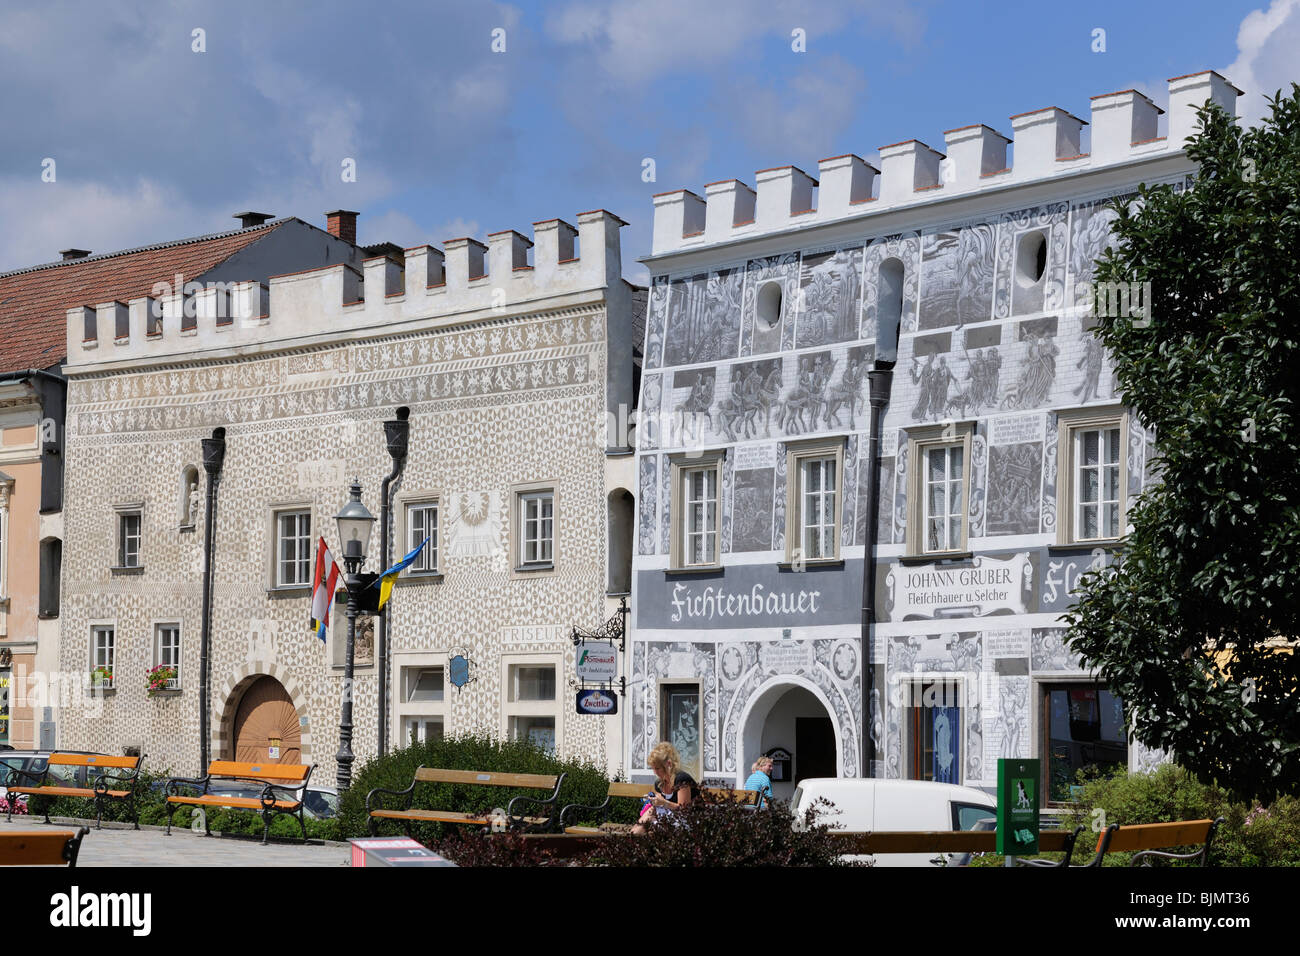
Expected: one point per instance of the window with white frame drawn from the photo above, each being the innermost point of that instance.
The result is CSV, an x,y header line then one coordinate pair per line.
x,y
293,549
422,707
939,490
101,655
167,651
422,523
128,539
814,500
696,508
1091,449
536,526
532,710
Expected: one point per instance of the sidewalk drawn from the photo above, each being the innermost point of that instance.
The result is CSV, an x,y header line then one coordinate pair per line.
x,y
149,847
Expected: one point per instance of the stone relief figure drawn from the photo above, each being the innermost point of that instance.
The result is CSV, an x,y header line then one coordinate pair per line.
x,y
1090,362
934,379
194,503
754,389
704,318
191,497
831,290
363,651
847,392
984,368
808,394
1014,494
697,403
1037,375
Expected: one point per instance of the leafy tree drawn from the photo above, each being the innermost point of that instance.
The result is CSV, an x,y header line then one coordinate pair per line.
x,y
1186,626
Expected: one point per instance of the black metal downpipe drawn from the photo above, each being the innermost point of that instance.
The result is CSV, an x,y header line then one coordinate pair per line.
x,y
214,455
880,381
397,432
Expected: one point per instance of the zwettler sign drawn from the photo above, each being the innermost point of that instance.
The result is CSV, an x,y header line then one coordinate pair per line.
x,y
749,596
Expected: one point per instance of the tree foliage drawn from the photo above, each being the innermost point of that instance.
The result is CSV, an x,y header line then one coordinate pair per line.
x,y
1187,625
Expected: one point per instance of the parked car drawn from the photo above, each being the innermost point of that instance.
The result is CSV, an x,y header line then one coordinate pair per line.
x,y
33,762
884,805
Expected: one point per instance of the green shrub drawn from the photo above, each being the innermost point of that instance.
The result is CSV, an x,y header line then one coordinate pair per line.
x,y
1249,836
583,783
725,833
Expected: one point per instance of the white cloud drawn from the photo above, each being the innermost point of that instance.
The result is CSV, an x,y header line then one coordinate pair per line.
x,y
809,111
1268,42
633,42
92,216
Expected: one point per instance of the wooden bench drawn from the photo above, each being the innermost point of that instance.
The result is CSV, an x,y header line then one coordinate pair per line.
x,y
274,778
41,847
636,791
515,818
1146,840
121,770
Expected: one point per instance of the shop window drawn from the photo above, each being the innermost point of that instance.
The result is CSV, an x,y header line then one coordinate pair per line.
x,y
1084,727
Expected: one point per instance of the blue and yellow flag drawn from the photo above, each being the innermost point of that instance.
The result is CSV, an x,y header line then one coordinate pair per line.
x,y
386,580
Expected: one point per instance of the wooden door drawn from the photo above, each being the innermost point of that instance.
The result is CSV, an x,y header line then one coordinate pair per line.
x,y
266,725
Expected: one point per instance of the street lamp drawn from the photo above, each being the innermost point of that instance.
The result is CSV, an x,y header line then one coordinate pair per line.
x,y
355,524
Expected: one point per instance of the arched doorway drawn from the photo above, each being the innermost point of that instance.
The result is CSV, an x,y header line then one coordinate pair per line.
x,y
793,718
266,728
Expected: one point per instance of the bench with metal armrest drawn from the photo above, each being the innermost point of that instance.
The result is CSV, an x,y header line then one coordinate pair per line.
x,y
1148,841
122,771
274,778
41,847
539,821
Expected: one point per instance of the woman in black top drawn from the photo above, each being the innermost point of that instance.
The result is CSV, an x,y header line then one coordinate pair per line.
x,y
674,789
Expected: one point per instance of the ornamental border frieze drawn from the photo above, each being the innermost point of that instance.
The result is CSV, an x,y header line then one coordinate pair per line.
x,y
107,428
482,387
568,330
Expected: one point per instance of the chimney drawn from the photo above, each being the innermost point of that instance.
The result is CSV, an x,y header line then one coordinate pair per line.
x,y
70,254
249,219
342,223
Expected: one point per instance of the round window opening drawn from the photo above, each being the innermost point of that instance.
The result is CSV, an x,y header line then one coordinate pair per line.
x,y
1031,262
769,305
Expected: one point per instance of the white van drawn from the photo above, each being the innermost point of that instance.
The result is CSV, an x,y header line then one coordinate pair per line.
x,y
878,805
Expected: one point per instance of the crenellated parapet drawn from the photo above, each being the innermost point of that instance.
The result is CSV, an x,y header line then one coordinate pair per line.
x,y
466,279
1047,143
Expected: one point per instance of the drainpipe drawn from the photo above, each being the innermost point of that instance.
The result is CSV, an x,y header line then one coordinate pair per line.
x,y
214,454
396,431
880,381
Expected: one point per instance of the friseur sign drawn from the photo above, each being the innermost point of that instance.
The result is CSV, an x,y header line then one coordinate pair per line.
x,y
751,595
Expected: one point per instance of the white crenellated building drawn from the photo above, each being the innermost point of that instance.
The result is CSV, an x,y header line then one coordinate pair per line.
x,y
957,289
510,357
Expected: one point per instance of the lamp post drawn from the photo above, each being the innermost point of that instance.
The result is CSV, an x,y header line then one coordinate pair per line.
x,y
396,431
355,524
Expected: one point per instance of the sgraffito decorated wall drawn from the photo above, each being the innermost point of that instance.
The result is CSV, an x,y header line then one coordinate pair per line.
x,y
995,338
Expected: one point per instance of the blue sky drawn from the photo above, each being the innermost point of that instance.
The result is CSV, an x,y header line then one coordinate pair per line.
x,y
152,140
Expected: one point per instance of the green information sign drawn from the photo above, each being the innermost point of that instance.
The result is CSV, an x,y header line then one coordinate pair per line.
x,y
1017,807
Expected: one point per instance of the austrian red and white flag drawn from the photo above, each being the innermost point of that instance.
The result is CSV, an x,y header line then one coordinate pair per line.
x,y
322,588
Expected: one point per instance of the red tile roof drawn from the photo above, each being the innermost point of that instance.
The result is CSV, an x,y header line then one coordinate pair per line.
x,y
34,302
